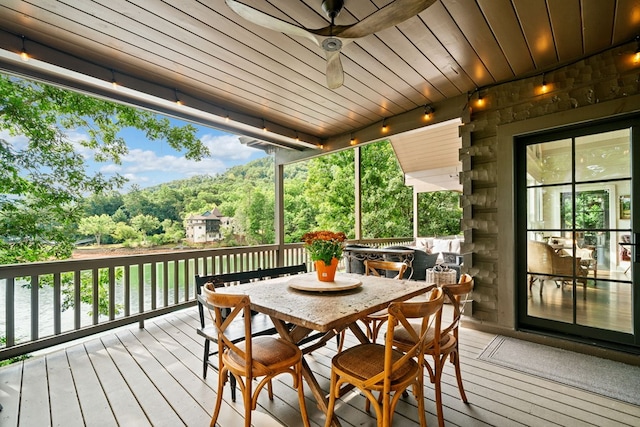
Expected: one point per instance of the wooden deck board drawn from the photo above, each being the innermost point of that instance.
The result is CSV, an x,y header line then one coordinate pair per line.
x,y
96,409
151,401
65,408
34,394
153,376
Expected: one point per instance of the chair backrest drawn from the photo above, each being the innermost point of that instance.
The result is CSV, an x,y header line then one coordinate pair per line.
x,y
400,313
544,260
371,267
456,292
267,273
225,279
237,306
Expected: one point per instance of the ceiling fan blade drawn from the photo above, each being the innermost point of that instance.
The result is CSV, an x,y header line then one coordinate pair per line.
x,y
268,21
335,74
390,15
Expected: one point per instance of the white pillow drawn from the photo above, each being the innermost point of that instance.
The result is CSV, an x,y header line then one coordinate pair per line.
x,y
455,246
424,243
441,245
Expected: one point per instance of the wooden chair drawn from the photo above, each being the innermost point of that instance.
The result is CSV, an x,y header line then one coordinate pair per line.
x,y
374,321
381,368
255,357
260,323
443,344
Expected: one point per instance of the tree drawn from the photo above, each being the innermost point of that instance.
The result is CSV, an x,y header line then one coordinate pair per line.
x,y
44,178
145,224
97,225
440,213
257,217
330,191
124,232
173,231
387,203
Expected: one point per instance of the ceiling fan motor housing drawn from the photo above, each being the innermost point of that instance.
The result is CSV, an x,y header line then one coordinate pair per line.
x,y
331,44
332,7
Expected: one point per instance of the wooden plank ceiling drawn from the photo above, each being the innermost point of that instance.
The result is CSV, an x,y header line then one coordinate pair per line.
x,y
203,50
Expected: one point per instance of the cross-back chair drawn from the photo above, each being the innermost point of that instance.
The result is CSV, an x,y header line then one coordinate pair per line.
x,y
252,358
381,368
261,324
445,344
375,321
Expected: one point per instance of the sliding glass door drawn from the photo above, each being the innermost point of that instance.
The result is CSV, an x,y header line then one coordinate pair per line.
x,y
576,232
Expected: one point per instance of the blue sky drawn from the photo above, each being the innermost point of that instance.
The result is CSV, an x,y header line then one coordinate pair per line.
x,y
150,163
154,162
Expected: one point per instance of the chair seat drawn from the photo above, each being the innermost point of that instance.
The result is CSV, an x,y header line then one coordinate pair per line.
x,y
366,360
403,339
267,352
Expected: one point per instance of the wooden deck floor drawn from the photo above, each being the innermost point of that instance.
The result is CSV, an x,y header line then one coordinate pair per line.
x,y
152,376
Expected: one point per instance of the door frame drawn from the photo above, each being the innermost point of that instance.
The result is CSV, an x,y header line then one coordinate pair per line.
x,y
604,337
505,315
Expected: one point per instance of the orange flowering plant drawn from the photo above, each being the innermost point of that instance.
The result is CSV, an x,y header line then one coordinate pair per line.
x,y
324,245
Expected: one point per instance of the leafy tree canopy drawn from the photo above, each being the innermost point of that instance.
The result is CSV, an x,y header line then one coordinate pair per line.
x,y
44,178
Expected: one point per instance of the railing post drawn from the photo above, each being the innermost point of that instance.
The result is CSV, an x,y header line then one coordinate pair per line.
x,y
279,213
357,162
10,333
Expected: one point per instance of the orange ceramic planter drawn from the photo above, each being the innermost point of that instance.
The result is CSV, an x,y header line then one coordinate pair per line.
x,y
326,273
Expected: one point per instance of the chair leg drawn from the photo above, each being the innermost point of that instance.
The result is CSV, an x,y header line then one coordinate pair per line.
x,y
247,400
303,405
437,385
232,385
455,359
332,399
216,410
205,358
419,393
270,390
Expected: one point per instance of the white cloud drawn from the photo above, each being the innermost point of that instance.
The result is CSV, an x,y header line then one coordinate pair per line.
x,y
142,161
18,141
147,167
227,147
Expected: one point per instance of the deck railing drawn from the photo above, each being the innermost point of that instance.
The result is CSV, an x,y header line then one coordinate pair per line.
x,y
48,303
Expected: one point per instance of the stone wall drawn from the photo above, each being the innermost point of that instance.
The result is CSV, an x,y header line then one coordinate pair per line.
x,y
605,77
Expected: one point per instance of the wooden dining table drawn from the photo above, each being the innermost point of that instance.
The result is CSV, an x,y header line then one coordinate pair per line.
x,y
298,313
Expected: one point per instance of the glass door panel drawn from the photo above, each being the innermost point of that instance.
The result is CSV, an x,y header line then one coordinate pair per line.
x,y
578,201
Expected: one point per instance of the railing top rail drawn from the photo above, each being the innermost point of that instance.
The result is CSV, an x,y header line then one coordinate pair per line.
x,y
28,269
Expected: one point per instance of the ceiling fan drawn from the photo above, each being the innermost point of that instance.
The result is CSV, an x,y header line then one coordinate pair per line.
x,y
334,37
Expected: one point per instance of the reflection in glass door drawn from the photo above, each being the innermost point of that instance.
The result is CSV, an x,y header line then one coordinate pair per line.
x,y
577,228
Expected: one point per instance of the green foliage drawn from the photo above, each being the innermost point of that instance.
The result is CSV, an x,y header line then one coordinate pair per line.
x,y
48,196
257,215
86,290
387,204
324,245
145,224
124,232
44,179
329,191
440,213
9,361
173,231
319,193
97,226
